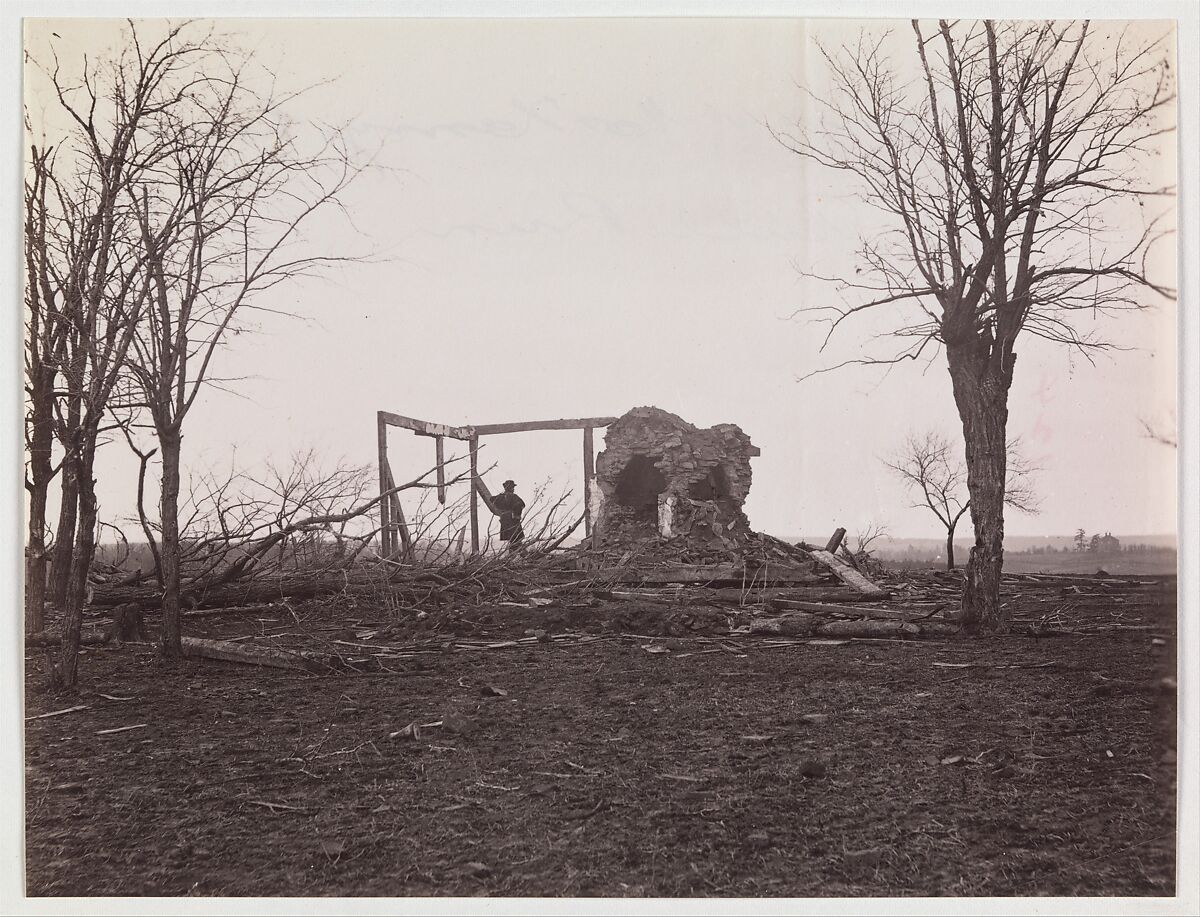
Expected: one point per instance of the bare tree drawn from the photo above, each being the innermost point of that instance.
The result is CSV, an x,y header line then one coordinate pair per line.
x,y
46,333
932,469
220,227
87,266
280,519
299,523
1009,178
862,557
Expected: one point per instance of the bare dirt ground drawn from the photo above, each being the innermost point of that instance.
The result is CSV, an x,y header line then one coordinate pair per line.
x,y
579,762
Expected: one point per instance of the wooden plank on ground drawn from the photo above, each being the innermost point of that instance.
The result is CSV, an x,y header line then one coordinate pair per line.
x,y
681,573
737,595
847,574
693,574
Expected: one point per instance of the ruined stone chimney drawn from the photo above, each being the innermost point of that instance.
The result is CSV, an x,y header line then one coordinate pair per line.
x,y
661,476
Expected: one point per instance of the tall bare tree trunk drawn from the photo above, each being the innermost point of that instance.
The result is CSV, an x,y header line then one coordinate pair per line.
x,y
950,548
41,438
169,442
81,562
35,560
64,533
982,398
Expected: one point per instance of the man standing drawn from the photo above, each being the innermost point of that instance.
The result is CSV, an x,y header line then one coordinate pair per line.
x,y
508,506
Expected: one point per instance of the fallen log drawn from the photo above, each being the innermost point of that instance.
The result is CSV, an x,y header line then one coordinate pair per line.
x,y
225,651
682,593
895,614
868,629
50,638
847,574
781,594
271,589
236,610
648,598
938,628
789,625
804,625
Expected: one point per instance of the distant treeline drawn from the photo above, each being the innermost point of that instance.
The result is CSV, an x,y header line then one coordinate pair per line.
x,y
902,552
1104,550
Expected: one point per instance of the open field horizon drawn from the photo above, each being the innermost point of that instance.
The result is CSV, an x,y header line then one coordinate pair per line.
x,y
1160,558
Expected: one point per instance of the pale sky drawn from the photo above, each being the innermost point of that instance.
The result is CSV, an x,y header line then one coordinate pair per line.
x,y
584,216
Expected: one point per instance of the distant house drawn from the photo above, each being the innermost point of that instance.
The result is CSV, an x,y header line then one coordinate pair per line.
x,y
1108,544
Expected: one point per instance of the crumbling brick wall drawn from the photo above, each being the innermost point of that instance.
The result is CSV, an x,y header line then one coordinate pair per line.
x,y
660,475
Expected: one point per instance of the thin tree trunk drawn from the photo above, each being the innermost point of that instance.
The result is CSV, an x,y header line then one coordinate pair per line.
x,y
41,438
950,548
81,561
169,442
982,401
35,559
64,534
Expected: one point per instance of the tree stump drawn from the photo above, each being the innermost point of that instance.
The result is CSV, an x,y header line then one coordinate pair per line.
x,y
127,624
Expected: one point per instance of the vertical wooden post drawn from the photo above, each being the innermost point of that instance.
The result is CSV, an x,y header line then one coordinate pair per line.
x,y
835,541
474,443
398,522
385,534
438,442
589,471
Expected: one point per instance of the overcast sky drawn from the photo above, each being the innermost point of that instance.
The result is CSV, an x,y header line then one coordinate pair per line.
x,y
580,217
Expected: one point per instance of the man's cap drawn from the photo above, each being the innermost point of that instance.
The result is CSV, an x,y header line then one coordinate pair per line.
x,y
510,481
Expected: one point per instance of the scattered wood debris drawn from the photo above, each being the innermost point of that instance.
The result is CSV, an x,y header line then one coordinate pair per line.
x,y
751,585
109,732
62,712
848,574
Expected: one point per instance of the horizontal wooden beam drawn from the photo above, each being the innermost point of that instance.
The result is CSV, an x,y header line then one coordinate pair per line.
x,y
528,426
424,427
466,432
698,574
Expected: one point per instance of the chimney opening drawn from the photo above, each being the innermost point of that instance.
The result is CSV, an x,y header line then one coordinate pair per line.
x,y
638,486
